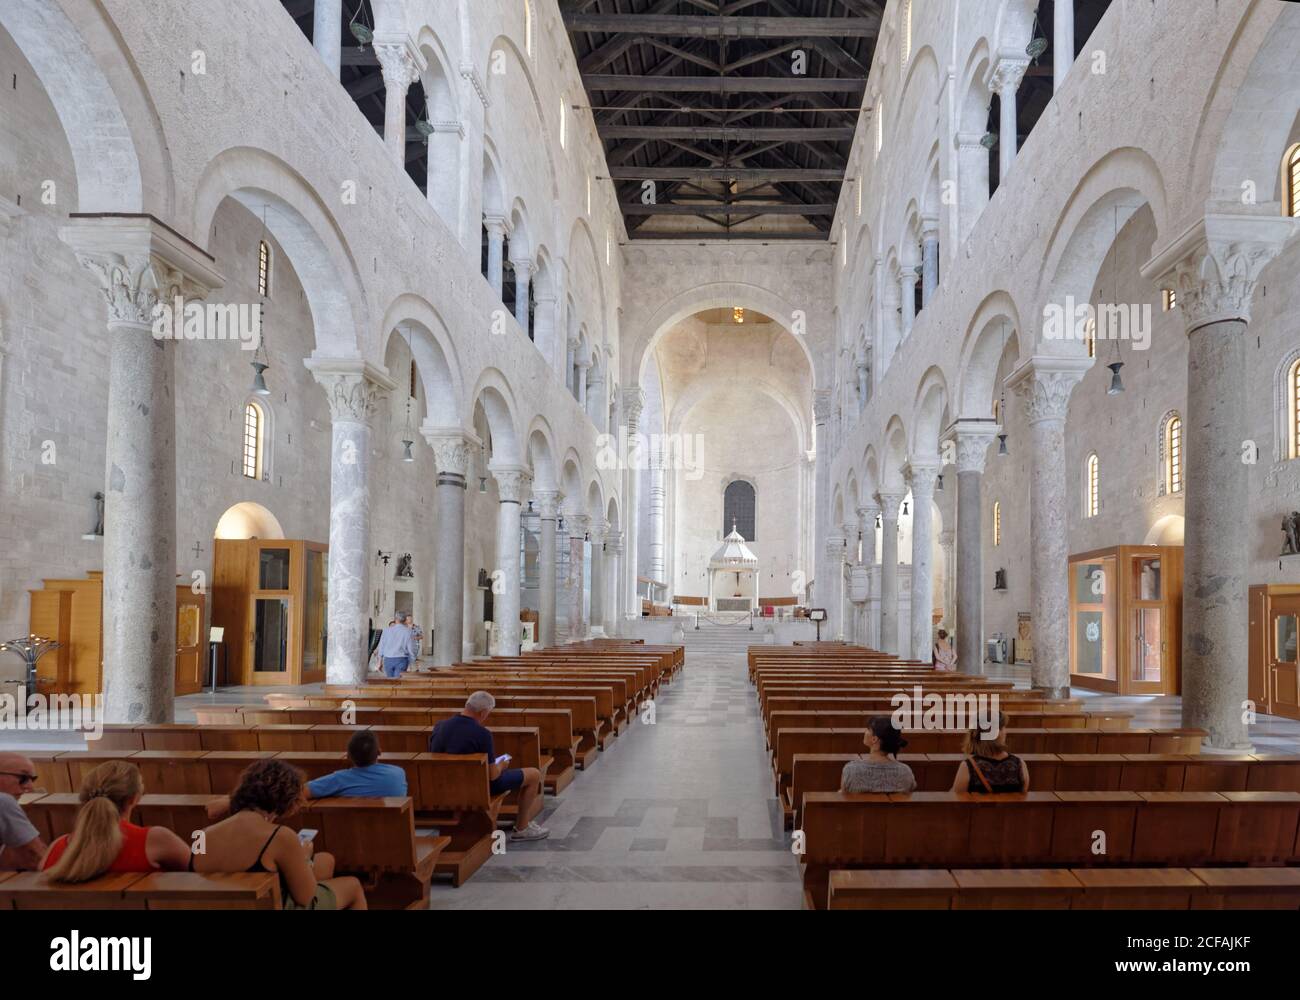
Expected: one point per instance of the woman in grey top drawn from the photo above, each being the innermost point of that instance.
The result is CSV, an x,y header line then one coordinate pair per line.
x,y
879,771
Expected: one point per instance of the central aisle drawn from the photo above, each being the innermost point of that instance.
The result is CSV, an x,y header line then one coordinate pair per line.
x,y
675,815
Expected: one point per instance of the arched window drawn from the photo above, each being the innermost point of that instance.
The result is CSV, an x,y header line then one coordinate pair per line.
x,y
1293,409
1092,487
905,40
263,269
1291,182
254,434
1171,454
738,509
1090,336
997,522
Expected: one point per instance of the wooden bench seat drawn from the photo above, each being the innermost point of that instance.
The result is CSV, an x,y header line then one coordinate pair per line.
x,y
1059,889
157,891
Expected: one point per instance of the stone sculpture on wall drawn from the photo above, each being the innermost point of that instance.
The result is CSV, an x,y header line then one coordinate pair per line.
x,y
1291,529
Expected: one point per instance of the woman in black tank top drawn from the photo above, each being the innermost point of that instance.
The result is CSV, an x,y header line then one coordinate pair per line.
x,y
990,768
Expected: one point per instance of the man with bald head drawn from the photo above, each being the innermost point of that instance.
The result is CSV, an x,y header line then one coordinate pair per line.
x,y
21,846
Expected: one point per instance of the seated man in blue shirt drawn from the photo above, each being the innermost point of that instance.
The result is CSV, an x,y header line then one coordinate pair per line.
x,y
466,734
365,778
398,648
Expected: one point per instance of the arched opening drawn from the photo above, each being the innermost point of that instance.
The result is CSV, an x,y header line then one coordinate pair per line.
x,y
247,520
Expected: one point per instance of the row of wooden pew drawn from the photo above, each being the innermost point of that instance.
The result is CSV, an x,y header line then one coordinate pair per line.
x,y
556,710
1108,801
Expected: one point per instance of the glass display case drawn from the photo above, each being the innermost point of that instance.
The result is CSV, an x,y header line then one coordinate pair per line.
x,y
1125,619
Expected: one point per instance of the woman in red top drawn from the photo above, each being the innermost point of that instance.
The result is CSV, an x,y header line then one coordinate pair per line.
x,y
104,840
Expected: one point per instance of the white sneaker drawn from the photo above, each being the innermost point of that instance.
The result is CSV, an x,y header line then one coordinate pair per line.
x,y
531,832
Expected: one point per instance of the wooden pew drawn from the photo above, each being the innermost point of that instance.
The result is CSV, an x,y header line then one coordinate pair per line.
x,y
157,891
1059,889
1045,830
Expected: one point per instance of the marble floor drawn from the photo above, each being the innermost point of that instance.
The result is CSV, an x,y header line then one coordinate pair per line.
x,y
678,813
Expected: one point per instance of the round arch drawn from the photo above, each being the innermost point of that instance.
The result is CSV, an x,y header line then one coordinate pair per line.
x,y
248,520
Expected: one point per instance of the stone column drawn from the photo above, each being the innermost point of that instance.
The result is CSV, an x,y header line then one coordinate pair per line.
x,y
583,368
573,534
972,179
441,185
354,389
145,272
1215,267
867,515
1006,81
513,484
889,501
920,475
929,258
571,349
452,454
326,33
948,546
401,68
595,404
864,384
598,575
496,230
847,562
523,276
548,505
907,297
833,627
614,605
1062,41
1045,384
657,504
633,403
822,508
972,439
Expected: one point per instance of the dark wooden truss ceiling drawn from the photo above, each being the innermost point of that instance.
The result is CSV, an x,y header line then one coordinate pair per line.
x,y
701,97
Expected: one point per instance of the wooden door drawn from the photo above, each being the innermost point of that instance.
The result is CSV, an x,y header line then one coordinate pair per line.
x,y
191,642
1282,641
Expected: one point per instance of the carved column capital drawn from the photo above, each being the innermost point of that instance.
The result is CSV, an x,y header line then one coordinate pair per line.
x,y
453,450
1215,264
548,503
142,266
614,542
1044,385
398,63
352,387
890,501
633,404
578,525
920,475
514,482
1008,72
971,439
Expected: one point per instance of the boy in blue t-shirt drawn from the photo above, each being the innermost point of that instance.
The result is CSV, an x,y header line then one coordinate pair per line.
x,y
365,778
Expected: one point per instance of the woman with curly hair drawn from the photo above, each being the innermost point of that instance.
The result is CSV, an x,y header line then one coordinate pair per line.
x,y
251,839
104,839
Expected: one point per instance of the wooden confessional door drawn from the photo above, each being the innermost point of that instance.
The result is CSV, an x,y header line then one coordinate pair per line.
x,y
1281,665
191,642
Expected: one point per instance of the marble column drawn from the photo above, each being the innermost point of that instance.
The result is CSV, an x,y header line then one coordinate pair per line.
x,y
972,179
442,173
453,452
354,389
920,476
972,439
614,605
1006,81
633,404
870,634
400,67
595,404
598,575
523,276
327,33
496,233
847,561
574,535
513,485
544,323
907,297
833,627
1044,385
889,501
864,384
1215,268
1062,41
929,258
948,546
570,352
822,509
548,505
583,368
658,570
144,271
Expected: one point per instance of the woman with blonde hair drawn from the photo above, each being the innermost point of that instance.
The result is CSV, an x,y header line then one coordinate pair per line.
x,y
104,839
990,768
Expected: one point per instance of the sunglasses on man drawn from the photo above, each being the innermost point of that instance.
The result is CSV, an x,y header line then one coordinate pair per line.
x,y
23,777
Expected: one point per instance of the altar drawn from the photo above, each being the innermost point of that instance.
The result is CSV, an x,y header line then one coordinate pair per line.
x,y
733,576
